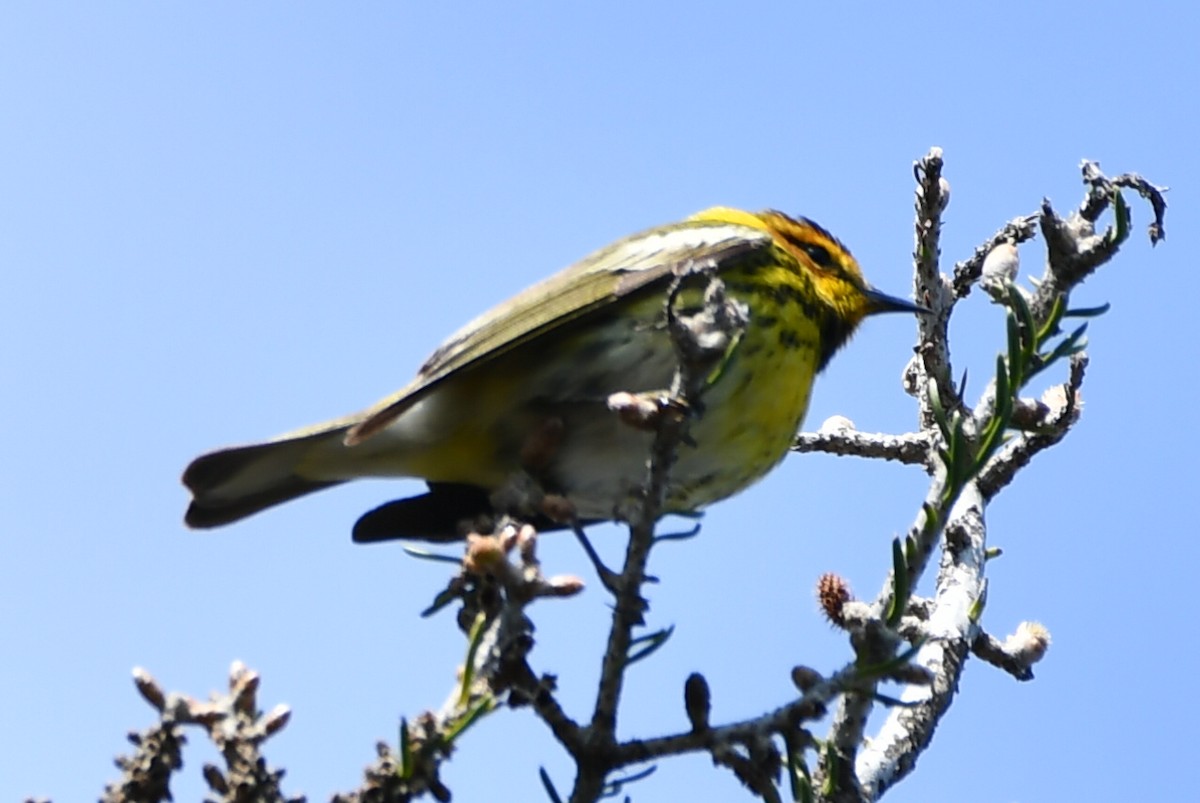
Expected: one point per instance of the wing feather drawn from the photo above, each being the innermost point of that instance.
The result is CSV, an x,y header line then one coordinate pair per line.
x,y
628,266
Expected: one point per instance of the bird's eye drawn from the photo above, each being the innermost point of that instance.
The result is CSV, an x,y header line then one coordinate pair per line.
x,y
818,254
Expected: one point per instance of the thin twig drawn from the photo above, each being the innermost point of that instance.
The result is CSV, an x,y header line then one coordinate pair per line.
x,y
721,316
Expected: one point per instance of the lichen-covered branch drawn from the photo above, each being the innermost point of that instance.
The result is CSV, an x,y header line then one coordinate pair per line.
x,y
231,721
972,462
911,448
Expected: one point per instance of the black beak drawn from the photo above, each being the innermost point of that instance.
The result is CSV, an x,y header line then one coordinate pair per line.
x,y
881,302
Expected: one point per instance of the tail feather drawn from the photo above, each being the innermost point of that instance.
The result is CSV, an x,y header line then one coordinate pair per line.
x,y
437,516
446,513
231,484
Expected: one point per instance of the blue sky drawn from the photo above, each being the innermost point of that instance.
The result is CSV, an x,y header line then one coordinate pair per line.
x,y
222,221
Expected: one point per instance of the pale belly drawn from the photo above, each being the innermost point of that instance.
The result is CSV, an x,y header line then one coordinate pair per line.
x,y
597,461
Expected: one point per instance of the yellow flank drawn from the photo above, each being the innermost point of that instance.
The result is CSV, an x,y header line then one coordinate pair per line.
x,y
514,406
766,390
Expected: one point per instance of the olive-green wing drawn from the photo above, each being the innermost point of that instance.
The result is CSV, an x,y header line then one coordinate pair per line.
x,y
637,262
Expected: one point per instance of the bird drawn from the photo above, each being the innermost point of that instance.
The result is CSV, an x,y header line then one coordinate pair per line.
x,y
514,409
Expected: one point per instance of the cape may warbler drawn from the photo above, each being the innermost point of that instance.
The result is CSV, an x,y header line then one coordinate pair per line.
x,y
534,375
